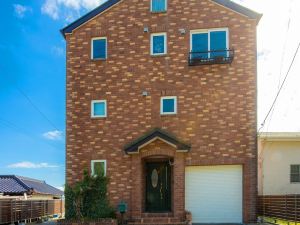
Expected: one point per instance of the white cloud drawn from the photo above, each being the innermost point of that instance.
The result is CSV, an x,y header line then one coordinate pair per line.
x,y
20,10
61,188
53,135
90,4
58,8
58,51
277,37
31,165
50,8
72,4
263,54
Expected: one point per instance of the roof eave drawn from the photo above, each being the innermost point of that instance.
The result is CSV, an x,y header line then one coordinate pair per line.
x,y
280,136
88,16
48,194
108,4
249,13
258,18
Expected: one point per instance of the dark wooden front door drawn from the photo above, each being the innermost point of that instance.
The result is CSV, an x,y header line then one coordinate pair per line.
x,y
158,187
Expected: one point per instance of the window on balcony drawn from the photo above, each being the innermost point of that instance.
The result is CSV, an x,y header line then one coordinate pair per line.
x,y
210,47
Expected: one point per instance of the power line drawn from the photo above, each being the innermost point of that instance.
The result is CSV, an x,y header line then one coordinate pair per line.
x,y
37,108
11,125
285,42
273,104
281,61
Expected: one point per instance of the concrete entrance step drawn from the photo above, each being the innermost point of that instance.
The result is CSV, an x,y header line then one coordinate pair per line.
x,y
179,223
146,215
157,221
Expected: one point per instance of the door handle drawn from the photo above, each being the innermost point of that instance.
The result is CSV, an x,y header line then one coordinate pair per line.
x,y
166,178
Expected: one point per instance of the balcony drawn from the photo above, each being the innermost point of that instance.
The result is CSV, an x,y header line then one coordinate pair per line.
x,y
211,57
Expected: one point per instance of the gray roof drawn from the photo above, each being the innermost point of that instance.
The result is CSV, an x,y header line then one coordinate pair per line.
x,y
109,3
14,185
239,8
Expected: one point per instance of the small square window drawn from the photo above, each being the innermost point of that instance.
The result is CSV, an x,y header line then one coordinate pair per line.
x,y
99,48
158,44
98,167
98,108
158,5
168,105
295,174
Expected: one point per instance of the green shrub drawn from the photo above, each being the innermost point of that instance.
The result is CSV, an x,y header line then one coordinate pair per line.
x,y
87,199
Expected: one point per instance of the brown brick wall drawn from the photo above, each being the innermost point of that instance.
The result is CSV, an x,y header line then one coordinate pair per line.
x,y
216,103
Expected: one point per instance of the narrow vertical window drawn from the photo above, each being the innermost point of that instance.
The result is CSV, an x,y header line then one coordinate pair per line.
x,y
98,108
199,45
99,48
98,167
218,43
158,44
168,105
158,5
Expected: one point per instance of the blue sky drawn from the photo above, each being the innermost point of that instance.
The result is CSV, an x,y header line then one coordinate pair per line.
x,y
32,79
32,87
32,90
32,64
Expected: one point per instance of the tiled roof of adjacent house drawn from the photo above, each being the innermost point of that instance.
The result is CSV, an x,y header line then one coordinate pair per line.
x,y
11,184
109,3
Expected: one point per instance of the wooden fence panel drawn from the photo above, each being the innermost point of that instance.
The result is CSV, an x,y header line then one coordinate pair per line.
x,y
285,207
19,210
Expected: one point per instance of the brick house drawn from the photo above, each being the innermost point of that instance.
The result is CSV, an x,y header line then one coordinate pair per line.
x,y
161,98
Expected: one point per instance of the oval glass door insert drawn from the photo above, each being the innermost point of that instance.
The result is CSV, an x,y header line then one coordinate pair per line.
x,y
154,178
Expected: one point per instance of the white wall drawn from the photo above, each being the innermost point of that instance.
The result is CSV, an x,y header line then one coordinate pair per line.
x,y
275,158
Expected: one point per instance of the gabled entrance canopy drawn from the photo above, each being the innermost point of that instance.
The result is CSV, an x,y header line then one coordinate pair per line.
x,y
153,135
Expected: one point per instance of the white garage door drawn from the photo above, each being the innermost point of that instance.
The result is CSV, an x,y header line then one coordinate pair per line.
x,y
213,194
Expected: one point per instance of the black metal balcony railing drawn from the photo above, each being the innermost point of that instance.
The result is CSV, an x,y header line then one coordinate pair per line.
x,y
211,57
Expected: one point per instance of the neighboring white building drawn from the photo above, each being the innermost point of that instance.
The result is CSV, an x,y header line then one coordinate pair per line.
x,y
279,163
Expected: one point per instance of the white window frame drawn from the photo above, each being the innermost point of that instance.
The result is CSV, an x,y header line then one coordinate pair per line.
x,y
92,47
165,42
175,105
92,166
208,31
151,10
92,109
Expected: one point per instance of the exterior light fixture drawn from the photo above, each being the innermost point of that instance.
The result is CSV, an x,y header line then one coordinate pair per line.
x,y
182,31
146,29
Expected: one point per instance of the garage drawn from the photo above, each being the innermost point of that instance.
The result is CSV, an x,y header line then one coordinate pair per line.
x,y
214,194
